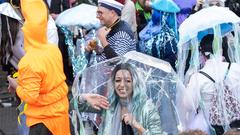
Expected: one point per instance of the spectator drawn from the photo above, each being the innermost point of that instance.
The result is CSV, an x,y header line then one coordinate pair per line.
x,y
159,37
186,8
215,86
12,42
56,7
203,3
143,13
129,14
116,35
41,81
233,5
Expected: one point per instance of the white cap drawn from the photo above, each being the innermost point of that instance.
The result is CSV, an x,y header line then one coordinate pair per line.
x,y
111,5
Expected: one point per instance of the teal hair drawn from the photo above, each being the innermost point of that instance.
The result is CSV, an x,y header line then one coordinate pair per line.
x,y
139,96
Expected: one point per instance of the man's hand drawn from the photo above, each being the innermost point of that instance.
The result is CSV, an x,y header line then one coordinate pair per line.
x,y
12,84
102,33
92,45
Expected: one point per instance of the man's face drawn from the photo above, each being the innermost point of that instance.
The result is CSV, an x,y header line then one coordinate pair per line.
x,y
104,15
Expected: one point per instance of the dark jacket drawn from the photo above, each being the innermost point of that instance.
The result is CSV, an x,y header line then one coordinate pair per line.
x,y
57,6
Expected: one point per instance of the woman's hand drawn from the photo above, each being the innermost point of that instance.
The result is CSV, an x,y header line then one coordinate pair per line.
x,y
96,101
12,86
130,120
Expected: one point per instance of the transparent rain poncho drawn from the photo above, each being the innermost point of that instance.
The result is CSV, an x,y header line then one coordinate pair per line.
x,y
72,23
154,88
204,103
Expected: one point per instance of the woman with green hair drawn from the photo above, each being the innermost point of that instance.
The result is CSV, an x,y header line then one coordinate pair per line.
x,y
127,105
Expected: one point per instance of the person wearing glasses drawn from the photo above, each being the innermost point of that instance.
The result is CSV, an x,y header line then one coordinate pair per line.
x,y
115,35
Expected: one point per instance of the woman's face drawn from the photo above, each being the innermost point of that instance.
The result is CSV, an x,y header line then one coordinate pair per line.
x,y
123,84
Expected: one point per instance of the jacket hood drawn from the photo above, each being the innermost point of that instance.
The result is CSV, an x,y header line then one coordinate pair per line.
x,y
35,25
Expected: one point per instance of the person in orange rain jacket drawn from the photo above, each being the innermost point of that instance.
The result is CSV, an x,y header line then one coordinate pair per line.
x,y
41,81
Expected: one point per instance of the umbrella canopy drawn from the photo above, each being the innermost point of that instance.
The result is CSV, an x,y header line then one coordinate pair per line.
x,y
157,80
212,20
205,20
7,10
165,6
83,15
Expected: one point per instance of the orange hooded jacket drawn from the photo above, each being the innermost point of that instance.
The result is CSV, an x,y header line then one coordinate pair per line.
x,y
41,81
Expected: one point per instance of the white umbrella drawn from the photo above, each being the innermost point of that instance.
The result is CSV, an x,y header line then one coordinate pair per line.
x,y
7,10
83,15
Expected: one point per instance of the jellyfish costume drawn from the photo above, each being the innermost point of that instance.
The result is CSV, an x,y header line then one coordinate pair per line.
x,y
210,99
72,23
159,38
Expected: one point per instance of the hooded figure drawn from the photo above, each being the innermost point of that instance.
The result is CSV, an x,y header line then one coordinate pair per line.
x,y
159,37
41,82
211,98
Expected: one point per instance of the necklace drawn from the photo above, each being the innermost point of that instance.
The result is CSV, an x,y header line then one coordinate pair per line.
x,y
118,20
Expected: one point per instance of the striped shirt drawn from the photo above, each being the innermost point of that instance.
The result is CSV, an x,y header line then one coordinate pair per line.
x,y
121,40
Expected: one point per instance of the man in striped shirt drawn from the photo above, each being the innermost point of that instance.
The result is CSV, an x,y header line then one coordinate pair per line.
x,y
116,35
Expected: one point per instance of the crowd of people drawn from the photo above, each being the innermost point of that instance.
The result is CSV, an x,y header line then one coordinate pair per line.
x,y
34,47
